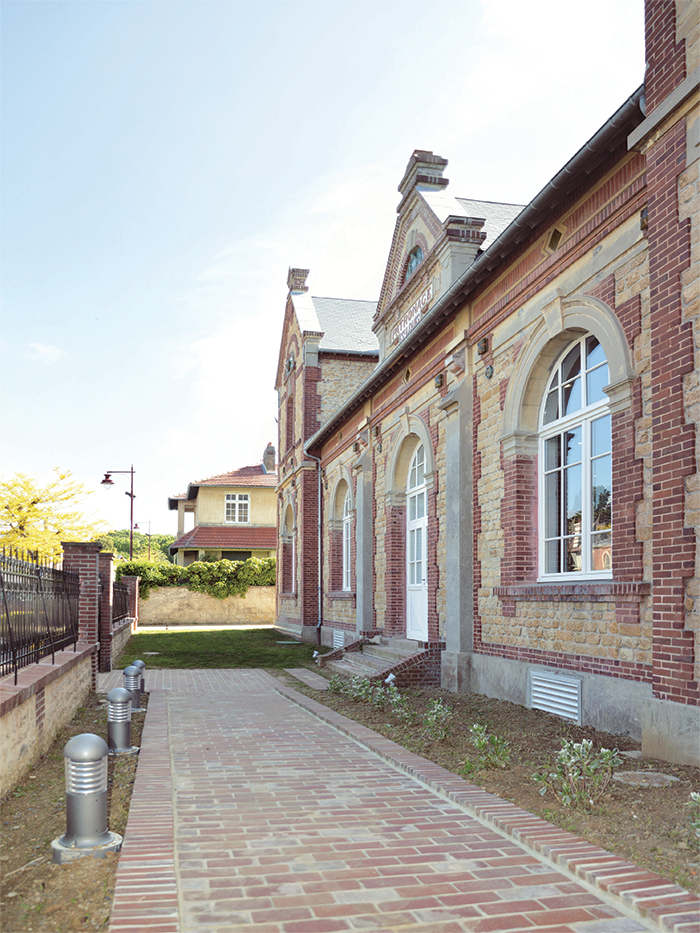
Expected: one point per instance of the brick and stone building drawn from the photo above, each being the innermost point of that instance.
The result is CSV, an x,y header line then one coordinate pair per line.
x,y
511,482
234,515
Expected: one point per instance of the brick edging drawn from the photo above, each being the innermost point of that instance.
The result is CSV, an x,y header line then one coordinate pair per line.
x,y
642,891
146,893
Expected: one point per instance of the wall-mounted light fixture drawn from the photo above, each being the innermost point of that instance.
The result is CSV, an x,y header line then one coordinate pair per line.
x,y
482,346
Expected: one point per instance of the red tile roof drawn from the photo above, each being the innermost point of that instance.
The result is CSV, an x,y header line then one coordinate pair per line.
x,y
228,537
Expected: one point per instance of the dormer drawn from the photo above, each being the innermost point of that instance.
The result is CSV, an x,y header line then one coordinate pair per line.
x,y
436,238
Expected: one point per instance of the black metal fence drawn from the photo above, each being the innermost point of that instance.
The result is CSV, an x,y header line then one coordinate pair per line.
x,y
38,611
120,602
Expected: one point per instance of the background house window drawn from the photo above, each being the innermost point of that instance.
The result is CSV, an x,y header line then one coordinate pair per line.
x,y
236,555
347,531
576,466
237,507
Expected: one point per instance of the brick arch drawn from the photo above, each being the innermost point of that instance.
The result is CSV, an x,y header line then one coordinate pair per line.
x,y
412,431
342,483
562,321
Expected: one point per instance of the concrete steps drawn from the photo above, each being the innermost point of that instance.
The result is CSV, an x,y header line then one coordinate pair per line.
x,y
376,657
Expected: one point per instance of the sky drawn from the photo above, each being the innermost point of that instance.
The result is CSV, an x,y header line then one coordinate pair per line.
x,y
165,163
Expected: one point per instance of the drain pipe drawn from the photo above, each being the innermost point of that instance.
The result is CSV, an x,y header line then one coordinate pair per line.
x,y
320,551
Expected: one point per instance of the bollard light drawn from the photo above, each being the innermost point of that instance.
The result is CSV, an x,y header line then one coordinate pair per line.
x,y
119,722
86,802
142,667
132,682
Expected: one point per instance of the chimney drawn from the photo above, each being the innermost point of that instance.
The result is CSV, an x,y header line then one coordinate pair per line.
x,y
296,280
269,459
424,169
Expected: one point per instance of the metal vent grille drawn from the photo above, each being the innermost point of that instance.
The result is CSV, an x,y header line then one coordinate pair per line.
x,y
338,639
555,693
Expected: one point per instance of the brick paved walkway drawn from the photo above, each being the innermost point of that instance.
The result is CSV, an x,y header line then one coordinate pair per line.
x,y
257,809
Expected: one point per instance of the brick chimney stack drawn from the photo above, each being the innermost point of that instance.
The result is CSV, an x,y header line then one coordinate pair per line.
x,y
269,459
296,280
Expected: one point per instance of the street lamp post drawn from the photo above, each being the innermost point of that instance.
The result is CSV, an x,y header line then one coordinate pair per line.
x,y
108,482
136,528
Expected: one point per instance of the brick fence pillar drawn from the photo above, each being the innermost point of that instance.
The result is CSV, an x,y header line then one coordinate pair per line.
x,y
106,609
84,559
132,583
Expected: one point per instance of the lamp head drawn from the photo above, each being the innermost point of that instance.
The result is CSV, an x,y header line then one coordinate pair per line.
x,y
107,482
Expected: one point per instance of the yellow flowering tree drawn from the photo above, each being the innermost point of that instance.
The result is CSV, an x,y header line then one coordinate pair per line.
x,y
35,516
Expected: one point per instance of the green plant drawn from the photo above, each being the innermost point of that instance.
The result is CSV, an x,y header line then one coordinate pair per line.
x,y
399,705
694,818
494,751
335,684
378,696
359,689
581,774
438,719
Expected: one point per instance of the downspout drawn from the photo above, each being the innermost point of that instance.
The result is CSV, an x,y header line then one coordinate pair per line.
x,y
320,552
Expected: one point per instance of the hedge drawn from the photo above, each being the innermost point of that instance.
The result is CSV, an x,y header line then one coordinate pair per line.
x,y
220,579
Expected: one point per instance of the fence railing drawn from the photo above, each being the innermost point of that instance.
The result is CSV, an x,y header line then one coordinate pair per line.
x,y
120,602
38,611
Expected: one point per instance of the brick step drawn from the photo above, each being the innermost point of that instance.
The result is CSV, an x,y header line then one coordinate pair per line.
x,y
390,654
351,666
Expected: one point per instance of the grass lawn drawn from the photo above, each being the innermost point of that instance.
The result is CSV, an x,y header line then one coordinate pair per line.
x,y
243,648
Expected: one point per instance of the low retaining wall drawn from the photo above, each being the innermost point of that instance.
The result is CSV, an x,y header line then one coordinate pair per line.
x,y
44,699
176,605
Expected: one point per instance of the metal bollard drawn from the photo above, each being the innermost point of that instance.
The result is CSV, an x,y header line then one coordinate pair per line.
x,y
132,682
119,722
142,667
86,802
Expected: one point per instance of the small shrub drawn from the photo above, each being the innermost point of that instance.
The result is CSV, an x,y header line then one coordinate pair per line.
x,y
359,689
378,696
581,774
494,751
400,706
335,684
438,719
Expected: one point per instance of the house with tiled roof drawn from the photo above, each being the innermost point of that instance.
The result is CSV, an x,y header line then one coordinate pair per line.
x,y
234,515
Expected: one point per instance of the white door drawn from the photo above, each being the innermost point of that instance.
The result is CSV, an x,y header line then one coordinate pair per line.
x,y
416,541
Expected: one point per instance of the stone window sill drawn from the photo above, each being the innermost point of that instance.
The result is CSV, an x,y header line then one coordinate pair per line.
x,y
605,591
342,594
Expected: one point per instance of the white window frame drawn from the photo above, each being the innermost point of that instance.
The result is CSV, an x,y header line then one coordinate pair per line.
x,y
347,540
238,506
582,418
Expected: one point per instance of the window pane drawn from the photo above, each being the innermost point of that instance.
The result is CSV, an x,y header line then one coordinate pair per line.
x,y
552,505
601,551
571,396
552,564
601,436
572,446
419,547
243,510
420,466
551,408
601,493
412,508
594,352
571,367
420,505
552,453
595,381
573,554
572,493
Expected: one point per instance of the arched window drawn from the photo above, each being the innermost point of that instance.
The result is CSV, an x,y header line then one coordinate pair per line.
x,y
576,466
347,539
415,258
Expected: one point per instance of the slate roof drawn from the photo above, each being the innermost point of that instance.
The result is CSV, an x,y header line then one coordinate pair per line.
x,y
228,537
497,216
346,324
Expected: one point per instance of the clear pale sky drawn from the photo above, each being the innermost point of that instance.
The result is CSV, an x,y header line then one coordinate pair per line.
x,y
164,163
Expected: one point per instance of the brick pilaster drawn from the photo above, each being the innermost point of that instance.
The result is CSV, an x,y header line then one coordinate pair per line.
x,y
106,609
84,559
